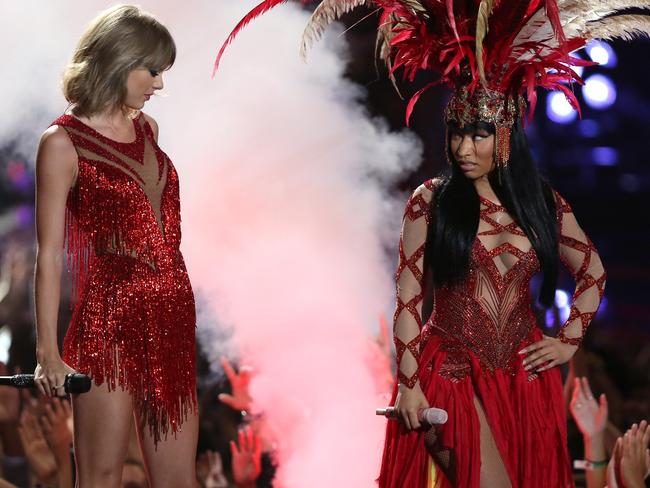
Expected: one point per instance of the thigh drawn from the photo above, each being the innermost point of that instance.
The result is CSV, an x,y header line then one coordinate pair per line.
x,y
493,470
172,462
102,426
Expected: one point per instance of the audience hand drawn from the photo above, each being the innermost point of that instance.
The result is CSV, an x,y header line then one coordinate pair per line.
x,y
209,470
590,416
635,455
38,453
55,426
240,398
247,459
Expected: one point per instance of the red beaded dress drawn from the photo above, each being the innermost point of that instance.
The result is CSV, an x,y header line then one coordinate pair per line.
x,y
466,355
133,322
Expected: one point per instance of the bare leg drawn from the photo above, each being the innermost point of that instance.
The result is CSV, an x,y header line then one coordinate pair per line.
x,y
173,463
102,425
493,471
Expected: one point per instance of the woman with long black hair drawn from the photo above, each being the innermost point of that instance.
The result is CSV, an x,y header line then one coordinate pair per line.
x,y
471,242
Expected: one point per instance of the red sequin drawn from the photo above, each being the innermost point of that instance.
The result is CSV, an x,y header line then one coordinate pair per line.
x,y
133,322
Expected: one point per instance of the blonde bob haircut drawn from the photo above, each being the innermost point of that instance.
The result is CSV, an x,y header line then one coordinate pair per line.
x,y
117,41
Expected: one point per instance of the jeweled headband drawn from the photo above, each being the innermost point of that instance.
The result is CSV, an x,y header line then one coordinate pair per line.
x,y
485,105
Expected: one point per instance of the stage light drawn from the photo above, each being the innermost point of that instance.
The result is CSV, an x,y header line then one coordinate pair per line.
x,y
602,53
561,298
589,128
549,318
559,109
605,156
599,91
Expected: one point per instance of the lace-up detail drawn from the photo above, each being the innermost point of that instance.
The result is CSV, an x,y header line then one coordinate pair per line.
x,y
408,313
579,255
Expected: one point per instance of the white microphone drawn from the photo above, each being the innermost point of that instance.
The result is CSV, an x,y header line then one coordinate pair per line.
x,y
430,415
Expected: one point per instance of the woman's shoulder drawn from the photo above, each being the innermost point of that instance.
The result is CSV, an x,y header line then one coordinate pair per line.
x,y
561,203
152,123
56,139
427,189
56,152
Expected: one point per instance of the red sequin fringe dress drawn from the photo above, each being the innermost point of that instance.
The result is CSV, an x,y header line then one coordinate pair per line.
x,y
133,322
466,359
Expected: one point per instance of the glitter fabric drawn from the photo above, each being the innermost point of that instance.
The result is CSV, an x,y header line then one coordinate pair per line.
x,y
133,322
468,349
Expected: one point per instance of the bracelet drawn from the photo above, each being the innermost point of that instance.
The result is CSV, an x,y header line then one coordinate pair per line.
x,y
589,465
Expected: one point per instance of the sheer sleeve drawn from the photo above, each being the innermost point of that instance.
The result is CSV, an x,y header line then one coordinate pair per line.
x,y
408,313
580,257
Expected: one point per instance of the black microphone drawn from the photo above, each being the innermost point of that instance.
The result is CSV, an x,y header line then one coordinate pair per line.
x,y
73,383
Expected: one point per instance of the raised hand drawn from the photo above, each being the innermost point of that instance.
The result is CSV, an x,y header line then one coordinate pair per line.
x,y
39,455
546,354
240,398
247,458
209,471
635,455
590,415
56,427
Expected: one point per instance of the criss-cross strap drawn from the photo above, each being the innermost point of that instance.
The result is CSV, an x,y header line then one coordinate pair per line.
x,y
581,258
409,276
502,238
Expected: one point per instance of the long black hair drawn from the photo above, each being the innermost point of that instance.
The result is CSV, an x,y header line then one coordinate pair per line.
x,y
455,213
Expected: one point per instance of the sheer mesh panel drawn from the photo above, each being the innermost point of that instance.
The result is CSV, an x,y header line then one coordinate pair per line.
x,y
579,255
408,313
149,173
498,288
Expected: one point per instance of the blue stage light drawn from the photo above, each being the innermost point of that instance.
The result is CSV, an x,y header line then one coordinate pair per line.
x,y
599,91
605,156
602,53
589,128
561,298
559,109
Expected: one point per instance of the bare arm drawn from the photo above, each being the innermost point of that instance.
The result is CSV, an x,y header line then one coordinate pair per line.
x,y
56,169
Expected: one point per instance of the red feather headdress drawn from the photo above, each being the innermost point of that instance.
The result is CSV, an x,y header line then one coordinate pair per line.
x,y
493,52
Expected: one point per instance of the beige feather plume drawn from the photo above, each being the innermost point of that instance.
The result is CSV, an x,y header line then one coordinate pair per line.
x,y
482,28
626,27
385,34
327,12
417,7
574,16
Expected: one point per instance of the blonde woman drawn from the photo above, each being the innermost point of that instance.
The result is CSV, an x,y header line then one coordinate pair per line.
x,y
108,193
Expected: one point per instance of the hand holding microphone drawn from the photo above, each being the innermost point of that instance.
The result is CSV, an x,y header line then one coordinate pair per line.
x,y
73,382
430,416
